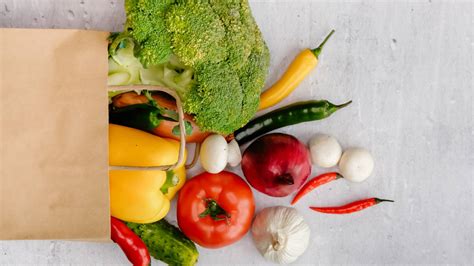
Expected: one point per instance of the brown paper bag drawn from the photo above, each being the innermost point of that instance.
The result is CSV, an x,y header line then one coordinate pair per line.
x,y
53,135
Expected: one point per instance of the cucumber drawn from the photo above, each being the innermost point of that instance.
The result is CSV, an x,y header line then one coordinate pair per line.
x,y
167,243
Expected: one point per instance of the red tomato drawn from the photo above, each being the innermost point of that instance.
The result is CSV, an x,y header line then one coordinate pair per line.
x,y
215,210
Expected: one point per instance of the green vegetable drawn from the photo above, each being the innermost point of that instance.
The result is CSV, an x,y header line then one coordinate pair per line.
x,y
150,33
124,67
150,99
146,117
289,115
141,116
171,181
210,52
188,128
197,33
167,243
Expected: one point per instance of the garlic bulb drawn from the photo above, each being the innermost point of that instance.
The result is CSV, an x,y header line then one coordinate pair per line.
x,y
280,234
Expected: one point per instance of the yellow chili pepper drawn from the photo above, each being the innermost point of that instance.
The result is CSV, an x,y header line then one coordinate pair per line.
x,y
142,196
295,73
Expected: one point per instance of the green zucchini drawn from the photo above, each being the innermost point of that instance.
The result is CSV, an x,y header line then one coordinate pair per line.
x,y
167,243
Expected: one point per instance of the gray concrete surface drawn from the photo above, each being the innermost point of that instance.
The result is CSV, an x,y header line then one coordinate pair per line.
x,y
407,65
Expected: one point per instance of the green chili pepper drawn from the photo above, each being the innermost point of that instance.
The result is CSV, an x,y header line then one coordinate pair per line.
x,y
289,115
140,116
145,117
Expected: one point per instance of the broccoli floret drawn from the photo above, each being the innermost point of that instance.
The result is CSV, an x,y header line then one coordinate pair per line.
x,y
145,23
216,98
198,35
210,51
219,85
239,37
252,77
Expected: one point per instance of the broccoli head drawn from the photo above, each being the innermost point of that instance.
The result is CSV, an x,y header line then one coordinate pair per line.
x,y
216,85
145,24
197,33
223,59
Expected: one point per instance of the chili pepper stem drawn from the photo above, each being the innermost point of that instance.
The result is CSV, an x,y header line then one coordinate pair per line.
x,y
377,200
343,105
317,51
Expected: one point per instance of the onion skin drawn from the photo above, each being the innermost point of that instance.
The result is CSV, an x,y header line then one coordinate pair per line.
x,y
276,164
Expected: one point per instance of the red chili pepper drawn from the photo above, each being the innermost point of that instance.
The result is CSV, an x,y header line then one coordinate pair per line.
x,y
314,183
351,207
130,243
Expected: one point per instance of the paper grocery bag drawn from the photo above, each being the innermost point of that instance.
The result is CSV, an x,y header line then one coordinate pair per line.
x,y
53,135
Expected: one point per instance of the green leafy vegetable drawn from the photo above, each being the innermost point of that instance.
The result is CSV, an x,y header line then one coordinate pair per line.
x,y
188,128
171,114
150,99
142,116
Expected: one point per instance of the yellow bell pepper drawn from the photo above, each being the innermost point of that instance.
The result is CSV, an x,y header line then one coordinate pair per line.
x,y
140,195
306,61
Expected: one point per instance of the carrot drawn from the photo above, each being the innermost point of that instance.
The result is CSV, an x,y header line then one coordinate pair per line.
x,y
165,127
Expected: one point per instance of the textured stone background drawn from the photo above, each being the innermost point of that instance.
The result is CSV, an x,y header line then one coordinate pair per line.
x,y
407,65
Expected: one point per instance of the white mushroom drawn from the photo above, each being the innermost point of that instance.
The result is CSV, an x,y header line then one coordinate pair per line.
x,y
325,150
234,156
356,164
214,153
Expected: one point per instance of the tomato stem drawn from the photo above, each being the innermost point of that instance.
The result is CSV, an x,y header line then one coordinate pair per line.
x,y
216,212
